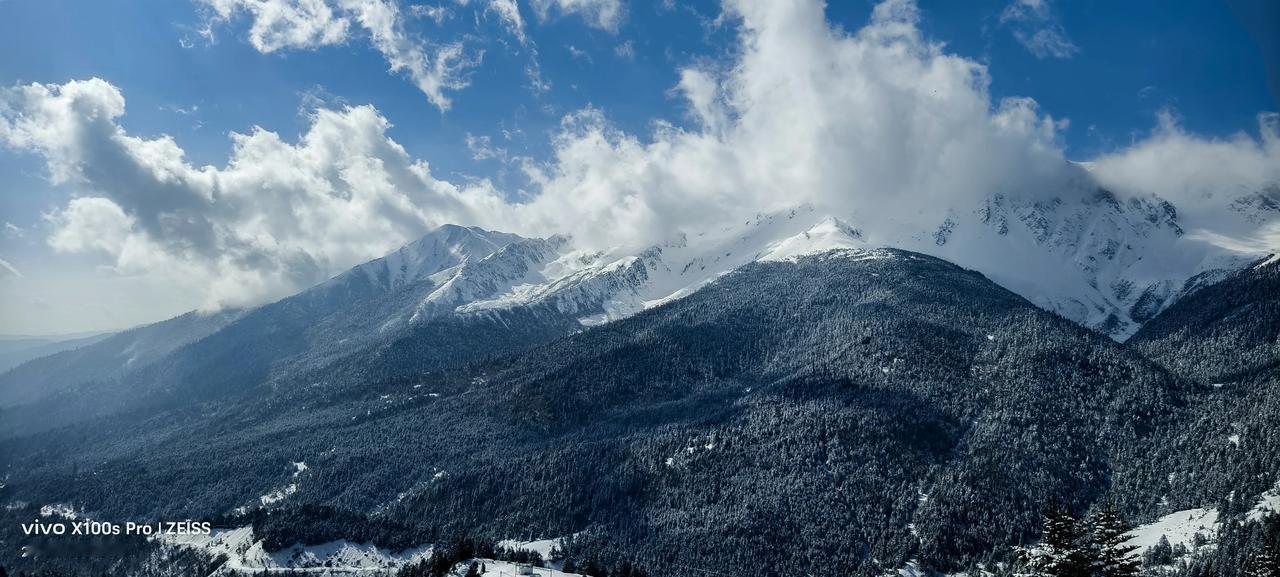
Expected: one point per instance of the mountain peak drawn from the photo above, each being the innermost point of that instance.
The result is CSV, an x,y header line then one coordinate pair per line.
x,y
829,233
445,247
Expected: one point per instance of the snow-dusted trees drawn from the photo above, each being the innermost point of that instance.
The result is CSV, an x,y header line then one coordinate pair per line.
x,y
1265,559
1089,547
1162,553
1060,552
1108,554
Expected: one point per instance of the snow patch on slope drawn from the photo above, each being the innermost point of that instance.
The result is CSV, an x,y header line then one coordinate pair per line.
x,y
1180,528
246,554
278,495
542,547
63,510
1268,504
506,569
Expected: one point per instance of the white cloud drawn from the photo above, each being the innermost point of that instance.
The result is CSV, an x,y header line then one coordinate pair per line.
x,y
307,24
509,12
1211,181
626,50
90,224
7,270
482,148
435,13
13,231
578,53
879,125
281,24
603,14
432,72
1035,26
279,215
533,71
880,120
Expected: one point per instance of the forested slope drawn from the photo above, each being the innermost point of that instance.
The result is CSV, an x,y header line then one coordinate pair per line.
x,y
842,412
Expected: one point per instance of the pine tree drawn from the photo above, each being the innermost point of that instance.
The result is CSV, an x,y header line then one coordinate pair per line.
x,y
1060,552
473,570
441,563
1159,554
1106,536
621,569
1265,562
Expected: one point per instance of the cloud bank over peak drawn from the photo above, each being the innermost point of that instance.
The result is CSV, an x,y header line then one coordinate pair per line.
x,y
879,120
279,215
880,126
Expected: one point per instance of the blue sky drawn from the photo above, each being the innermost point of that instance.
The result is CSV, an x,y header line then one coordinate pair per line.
x,y
1108,67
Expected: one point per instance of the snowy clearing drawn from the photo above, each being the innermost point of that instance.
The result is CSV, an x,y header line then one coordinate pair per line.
x,y
1180,528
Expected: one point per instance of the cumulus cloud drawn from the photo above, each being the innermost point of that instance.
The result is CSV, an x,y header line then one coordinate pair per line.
x,y
277,217
307,24
603,14
1035,26
281,24
879,125
806,113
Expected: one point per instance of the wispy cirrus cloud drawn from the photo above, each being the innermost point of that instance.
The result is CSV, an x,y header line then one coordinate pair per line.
x,y
603,14
436,68
1035,26
8,271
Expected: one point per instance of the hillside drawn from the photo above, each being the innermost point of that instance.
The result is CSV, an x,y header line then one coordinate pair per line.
x,y
858,408
1223,339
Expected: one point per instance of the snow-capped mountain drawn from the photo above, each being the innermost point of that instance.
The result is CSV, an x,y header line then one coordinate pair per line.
x,y
444,248
1102,261
600,286
1105,261
445,381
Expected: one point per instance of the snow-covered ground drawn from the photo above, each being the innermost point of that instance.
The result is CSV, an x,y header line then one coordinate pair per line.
x,y
1179,528
278,495
245,554
1268,504
542,547
506,569
58,509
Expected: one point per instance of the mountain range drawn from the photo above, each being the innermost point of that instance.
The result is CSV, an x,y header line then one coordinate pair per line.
x,y
789,392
